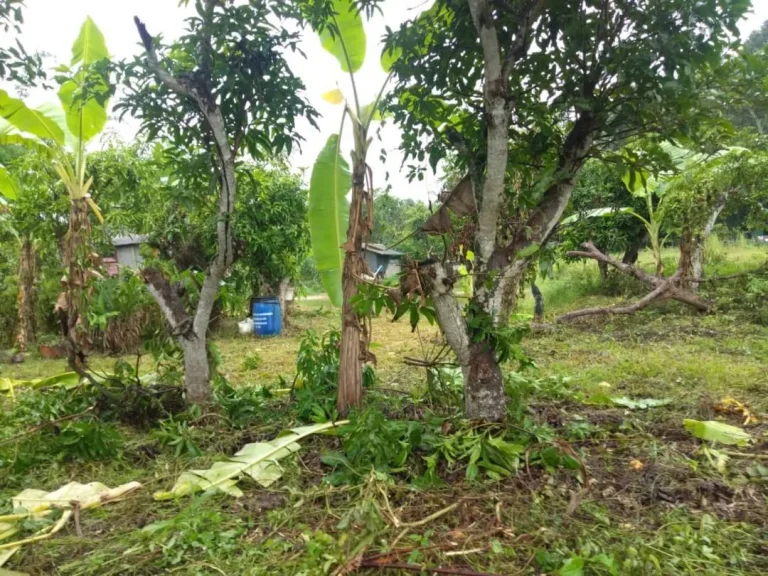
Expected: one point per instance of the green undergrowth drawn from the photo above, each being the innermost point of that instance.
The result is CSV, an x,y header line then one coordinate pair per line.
x,y
592,473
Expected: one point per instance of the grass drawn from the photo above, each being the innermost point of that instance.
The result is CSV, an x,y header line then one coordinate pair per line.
x,y
652,502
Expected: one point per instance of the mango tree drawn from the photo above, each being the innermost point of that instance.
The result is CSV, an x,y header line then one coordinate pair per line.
x,y
339,228
523,93
221,91
65,130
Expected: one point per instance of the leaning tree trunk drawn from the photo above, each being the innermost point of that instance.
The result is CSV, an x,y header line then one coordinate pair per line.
x,y
26,296
350,392
697,254
78,263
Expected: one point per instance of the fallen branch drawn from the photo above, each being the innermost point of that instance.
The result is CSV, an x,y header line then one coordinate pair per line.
x,y
663,288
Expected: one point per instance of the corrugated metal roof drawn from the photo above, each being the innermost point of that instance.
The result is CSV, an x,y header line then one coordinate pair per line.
x,y
129,239
380,249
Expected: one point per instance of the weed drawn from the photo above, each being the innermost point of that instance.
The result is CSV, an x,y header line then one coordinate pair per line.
x,y
88,441
179,436
253,361
317,375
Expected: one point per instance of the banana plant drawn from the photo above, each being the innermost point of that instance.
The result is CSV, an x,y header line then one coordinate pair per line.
x,y
64,131
338,228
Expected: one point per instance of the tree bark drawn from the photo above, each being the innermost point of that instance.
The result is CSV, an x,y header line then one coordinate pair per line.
x,y
350,393
71,304
197,371
603,267
685,262
26,296
484,397
697,256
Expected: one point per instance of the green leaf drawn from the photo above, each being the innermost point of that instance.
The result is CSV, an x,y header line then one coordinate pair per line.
x,y
642,403
29,121
389,57
329,214
347,42
8,187
717,432
85,118
574,566
257,460
89,47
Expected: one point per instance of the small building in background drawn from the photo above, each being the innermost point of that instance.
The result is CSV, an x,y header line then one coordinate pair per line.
x,y
127,250
380,259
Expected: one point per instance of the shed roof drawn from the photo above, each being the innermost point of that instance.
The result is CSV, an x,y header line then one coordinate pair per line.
x,y
380,249
129,239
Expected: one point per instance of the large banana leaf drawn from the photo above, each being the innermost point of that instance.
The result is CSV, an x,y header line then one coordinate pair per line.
x,y
30,121
329,215
89,47
257,460
348,43
85,118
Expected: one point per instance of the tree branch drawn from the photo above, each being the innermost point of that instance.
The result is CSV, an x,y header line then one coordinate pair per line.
x,y
498,126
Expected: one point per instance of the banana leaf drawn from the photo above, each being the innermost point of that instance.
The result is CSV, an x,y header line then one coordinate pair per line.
x,y
258,460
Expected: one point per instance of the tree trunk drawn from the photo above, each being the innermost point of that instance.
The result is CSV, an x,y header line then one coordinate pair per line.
x,y
603,267
350,392
697,255
282,298
72,302
685,264
484,397
197,372
26,297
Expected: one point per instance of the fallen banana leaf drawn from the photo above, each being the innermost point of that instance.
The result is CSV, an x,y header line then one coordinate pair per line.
x,y
31,503
718,432
65,379
258,460
641,403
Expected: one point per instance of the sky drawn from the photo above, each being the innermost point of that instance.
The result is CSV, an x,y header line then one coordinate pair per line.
x,y
52,25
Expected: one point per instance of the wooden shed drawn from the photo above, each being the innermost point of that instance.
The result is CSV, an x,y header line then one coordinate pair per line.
x,y
380,259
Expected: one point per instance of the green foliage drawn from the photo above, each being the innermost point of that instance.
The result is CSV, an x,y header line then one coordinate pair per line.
x,y
599,186
505,340
253,361
397,218
317,376
179,436
271,229
372,441
194,531
242,405
121,313
248,44
88,441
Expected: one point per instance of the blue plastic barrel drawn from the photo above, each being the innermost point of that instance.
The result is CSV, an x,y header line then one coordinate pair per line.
x,y
267,320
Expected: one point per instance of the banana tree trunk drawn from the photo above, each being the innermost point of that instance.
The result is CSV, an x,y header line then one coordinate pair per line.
x,y
77,264
350,392
26,296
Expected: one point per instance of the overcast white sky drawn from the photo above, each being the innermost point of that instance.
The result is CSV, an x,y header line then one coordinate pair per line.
x,y
52,25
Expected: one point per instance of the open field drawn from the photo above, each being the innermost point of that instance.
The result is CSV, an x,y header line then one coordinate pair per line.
x,y
649,500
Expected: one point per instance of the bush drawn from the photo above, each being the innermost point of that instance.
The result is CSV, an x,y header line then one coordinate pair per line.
x,y
121,313
317,376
